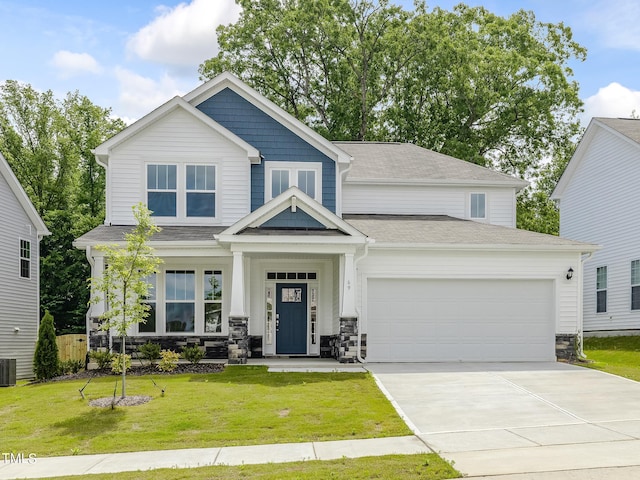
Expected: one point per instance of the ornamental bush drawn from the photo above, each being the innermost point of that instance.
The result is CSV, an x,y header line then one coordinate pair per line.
x,y
150,351
45,360
192,354
168,360
103,359
116,362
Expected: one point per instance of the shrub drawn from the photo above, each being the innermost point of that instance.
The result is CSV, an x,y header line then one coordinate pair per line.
x,y
116,362
168,360
45,360
103,359
71,366
192,354
150,351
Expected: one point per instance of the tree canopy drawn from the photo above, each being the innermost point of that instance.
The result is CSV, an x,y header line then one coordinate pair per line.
x,y
492,90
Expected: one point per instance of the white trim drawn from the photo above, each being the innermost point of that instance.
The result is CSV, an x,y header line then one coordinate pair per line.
x,y
516,183
486,203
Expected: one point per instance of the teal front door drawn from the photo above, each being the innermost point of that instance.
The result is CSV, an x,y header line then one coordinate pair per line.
x,y
291,318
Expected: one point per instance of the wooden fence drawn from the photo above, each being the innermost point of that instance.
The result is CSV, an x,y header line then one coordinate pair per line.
x,y
72,347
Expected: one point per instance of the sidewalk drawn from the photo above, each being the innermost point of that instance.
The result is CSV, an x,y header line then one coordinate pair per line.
x,y
201,457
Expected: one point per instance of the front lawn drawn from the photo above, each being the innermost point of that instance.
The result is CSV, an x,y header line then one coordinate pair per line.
x,y
240,406
617,355
406,467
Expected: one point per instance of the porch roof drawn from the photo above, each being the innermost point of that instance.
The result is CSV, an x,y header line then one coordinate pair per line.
x,y
442,230
103,234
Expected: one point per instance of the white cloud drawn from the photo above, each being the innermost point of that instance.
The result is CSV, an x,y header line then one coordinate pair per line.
x,y
183,36
616,23
140,95
614,100
71,64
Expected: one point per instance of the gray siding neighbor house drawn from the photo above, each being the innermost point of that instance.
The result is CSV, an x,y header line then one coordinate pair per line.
x,y
20,232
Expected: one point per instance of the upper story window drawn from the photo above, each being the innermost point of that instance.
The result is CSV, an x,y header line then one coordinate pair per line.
x,y
601,289
25,258
635,285
478,205
188,191
162,190
307,176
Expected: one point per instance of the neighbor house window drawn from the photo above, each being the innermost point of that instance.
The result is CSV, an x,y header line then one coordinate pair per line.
x,y
162,190
307,176
601,289
25,259
180,287
149,326
635,285
478,205
201,191
213,301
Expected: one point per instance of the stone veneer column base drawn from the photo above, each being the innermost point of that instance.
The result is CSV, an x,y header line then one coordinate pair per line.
x,y
238,340
348,340
566,346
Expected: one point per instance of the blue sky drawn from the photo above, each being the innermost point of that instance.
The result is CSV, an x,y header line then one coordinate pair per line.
x,y
133,56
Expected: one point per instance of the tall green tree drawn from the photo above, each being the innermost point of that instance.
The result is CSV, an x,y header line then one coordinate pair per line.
x,y
123,285
492,90
48,144
46,363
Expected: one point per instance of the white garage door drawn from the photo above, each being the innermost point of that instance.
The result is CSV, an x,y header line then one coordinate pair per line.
x,y
418,320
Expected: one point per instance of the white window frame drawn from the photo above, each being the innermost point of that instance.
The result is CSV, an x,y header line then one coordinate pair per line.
x,y
293,168
602,288
148,190
21,258
471,196
214,191
635,283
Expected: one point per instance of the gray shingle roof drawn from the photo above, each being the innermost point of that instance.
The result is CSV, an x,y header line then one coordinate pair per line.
x,y
629,127
444,230
103,234
408,162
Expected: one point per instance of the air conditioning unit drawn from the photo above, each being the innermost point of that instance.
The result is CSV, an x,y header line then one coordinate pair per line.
x,y
7,372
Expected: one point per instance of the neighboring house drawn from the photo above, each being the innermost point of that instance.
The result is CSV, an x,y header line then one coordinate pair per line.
x,y
278,242
20,232
599,200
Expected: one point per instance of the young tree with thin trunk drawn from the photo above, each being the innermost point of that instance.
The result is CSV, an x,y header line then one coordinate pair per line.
x,y
123,285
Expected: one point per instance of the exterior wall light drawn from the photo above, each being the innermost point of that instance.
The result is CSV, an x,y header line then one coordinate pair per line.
x,y
570,273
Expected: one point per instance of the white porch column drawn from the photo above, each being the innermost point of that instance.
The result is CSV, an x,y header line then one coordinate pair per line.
x,y
348,288
237,286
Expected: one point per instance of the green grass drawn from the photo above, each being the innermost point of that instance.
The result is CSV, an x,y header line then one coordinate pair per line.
x,y
422,467
240,406
616,355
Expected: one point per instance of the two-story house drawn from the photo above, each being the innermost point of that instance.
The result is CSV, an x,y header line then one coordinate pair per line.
x,y
277,241
21,230
599,202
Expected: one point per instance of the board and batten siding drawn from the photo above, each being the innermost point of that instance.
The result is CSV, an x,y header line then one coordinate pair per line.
x,y
178,138
360,198
600,205
478,265
19,303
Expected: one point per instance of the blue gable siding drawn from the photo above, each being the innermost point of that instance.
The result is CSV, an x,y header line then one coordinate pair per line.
x,y
275,142
289,219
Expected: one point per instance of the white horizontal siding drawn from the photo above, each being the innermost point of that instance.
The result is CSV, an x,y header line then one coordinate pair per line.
x,y
178,138
481,265
19,301
600,205
427,200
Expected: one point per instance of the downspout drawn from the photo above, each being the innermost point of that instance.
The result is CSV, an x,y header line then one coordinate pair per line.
x,y
355,266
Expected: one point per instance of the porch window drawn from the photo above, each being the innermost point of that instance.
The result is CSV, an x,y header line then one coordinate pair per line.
x,y
635,285
601,289
180,304
162,190
150,325
307,176
213,301
478,205
25,259
201,191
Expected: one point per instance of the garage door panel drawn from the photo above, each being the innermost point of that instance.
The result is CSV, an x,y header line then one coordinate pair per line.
x,y
460,320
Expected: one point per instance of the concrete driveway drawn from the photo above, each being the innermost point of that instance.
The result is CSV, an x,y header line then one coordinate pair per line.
x,y
510,418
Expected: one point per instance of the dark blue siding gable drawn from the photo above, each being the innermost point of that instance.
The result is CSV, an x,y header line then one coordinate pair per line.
x,y
289,219
275,142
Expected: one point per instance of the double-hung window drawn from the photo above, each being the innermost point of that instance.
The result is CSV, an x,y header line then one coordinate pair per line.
x,y
180,297
201,190
478,205
635,285
149,326
601,289
307,176
25,258
162,190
